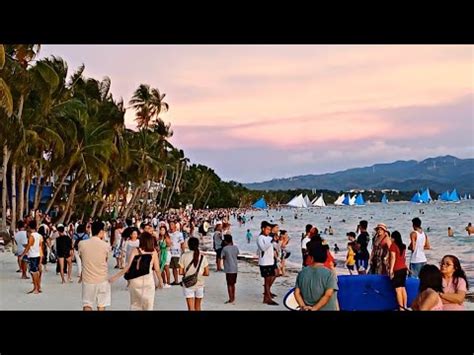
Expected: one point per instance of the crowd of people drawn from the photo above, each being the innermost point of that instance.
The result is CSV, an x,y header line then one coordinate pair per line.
x,y
163,250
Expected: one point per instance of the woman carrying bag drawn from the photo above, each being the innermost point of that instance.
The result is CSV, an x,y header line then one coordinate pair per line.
x,y
139,272
193,266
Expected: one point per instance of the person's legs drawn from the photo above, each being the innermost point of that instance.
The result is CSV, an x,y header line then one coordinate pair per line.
x,y
197,304
61,269
19,263
35,277
167,272
399,295
69,268
190,304
232,293
78,262
24,269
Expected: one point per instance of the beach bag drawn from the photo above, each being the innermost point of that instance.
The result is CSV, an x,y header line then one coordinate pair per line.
x,y
140,266
52,257
191,280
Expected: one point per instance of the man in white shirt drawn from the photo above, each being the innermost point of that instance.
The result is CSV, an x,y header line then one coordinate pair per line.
x,y
266,261
21,240
34,251
176,249
304,241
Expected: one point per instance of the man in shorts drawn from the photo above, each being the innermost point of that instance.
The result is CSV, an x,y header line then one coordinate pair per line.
x,y
266,261
94,254
177,248
229,254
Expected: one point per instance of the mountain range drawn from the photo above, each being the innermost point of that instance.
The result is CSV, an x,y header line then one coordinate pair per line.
x,y
438,174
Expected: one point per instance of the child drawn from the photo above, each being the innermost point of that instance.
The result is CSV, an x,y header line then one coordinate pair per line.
x,y
249,235
350,257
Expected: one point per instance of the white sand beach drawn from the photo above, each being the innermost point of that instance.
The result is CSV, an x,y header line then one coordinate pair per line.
x,y
57,296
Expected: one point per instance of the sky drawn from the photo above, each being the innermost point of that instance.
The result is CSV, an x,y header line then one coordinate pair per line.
x,y
257,112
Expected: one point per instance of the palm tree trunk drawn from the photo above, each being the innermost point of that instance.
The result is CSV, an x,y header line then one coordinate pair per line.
x,y
102,208
71,197
13,224
173,178
162,189
101,186
178,179
131,203
27,197
207,200
6,157
116,206
21,198
38,189
58,189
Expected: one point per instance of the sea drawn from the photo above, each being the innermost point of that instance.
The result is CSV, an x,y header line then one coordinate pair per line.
x,y
436,217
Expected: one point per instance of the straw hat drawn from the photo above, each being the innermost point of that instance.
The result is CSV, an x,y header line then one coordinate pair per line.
x,y
381,225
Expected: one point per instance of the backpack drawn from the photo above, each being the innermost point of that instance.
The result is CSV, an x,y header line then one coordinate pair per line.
x,y
78,239
140,266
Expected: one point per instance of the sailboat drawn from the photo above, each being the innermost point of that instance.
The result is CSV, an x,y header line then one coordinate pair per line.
x,y
444,196
307,201
384,199
360,200
416,198
426,197
453,196
319,202
352,200
347,200
339,201
297,201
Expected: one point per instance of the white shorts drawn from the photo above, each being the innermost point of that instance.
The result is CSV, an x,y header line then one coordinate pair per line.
x,y
193,292
96,294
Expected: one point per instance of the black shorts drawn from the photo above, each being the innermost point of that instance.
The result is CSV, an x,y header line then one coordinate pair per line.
x,y
231,279
399,278
34,264
218,253
350,267
267,270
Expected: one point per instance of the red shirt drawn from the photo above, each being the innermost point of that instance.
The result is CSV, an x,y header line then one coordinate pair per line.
x,y
329,260
399,258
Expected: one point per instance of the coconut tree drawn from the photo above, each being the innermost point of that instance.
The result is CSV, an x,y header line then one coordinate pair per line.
x,y
148,103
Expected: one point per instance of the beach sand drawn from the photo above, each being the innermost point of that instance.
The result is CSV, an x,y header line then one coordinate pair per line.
x,y
57,296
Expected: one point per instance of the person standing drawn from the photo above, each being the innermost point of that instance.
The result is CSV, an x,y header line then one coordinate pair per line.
x,y
418,243
142,288
379,259
194,262
33,250
266,261
94,255
398,269
77,237
249,236
351,253
306,238
362,255
177,248
164,244
64,252
217,243
21,240
229,254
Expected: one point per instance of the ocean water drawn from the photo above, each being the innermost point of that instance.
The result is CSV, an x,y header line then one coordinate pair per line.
x,y
436,216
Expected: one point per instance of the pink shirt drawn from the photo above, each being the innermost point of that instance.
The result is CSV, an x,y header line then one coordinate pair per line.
x,y
451,288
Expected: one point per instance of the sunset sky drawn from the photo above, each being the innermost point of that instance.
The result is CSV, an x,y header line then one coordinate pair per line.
x,y
254,113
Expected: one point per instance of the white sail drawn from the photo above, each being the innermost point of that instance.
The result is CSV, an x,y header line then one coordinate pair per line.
x,y
297,201
352,200
339,200
320,202
307,201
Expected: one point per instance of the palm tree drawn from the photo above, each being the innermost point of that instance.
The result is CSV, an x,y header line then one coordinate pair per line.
x,y
148,104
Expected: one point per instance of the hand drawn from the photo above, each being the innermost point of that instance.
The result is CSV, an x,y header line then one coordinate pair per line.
x,y
307,308
160,284
391,274
112,279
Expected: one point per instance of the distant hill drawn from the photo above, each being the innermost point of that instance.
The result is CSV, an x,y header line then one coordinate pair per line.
x,y
438,174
